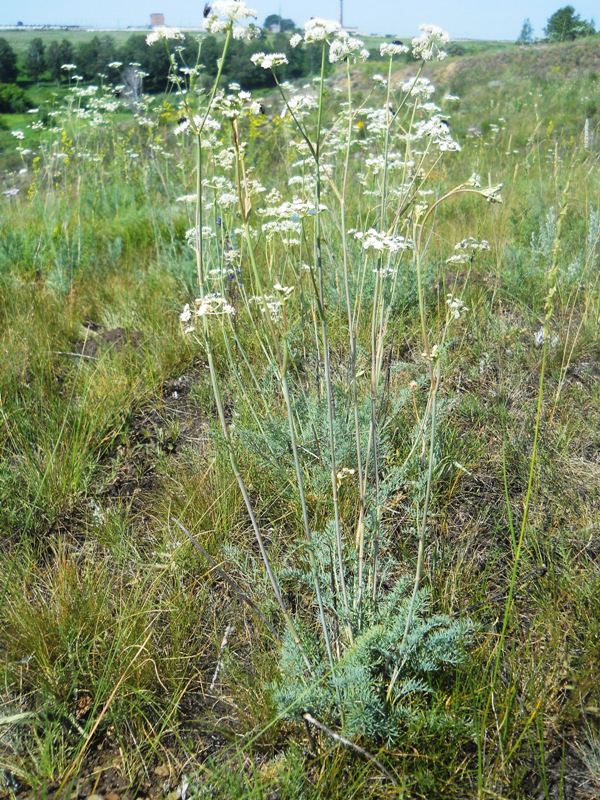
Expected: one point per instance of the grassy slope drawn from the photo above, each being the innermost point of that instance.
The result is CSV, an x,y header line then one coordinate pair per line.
x,y
543,61
98,453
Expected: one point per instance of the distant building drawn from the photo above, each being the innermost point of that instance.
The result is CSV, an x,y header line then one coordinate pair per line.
x,y
157,20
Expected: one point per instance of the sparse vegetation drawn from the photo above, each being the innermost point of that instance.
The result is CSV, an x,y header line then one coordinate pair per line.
x,y
299,466
526,35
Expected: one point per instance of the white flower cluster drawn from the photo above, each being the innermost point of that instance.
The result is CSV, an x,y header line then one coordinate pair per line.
x,y
429,45
492,193
394,161
232,257
437,129
272,304
288,229
470,243
285,292
342,46
467,249
236,102
377,78
69,67
246,32
422,88
301,105
429,108
382,242
212,305
456,306
433,354
319,30
192,235
378,119
191,72
225,158
345,46
87,91
294,210
210,124
269,60
391,49
269,304
344,474
225,13
385,272
459,258
540,338
163,34
220,274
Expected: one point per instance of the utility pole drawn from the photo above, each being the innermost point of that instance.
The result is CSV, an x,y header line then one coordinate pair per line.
x,y
342,13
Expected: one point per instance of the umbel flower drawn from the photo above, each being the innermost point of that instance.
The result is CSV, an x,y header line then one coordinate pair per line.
x,y
382,242
345,46
418,87
456,307
272,304
429,46
225,13
269,60
161,34
467,248
211,305
390,49
471,243
492,193
341,45
283,291
319,30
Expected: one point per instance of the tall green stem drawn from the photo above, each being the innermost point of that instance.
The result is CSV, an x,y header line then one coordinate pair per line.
x,y
326,348
214,378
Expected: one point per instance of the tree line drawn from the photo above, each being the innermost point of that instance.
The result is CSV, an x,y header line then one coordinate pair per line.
x,y
102,58
101,55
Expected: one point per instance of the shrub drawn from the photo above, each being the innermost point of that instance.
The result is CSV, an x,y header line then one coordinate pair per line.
x,y
13,100
455,49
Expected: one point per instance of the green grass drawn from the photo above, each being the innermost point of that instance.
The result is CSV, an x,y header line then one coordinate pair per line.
x,y
112,624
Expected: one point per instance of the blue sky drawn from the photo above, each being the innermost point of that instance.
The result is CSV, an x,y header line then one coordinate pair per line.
x,y
462,18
